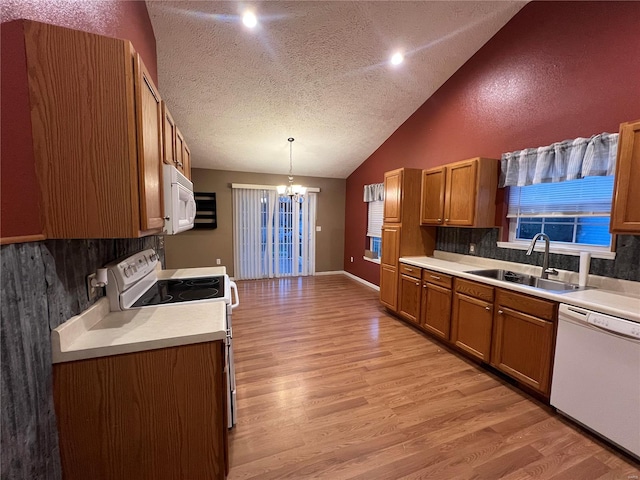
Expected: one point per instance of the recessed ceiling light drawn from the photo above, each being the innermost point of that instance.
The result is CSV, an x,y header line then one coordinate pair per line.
x,y
397,58
249,20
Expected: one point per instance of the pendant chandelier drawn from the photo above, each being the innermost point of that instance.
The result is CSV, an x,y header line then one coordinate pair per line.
x,y
294,192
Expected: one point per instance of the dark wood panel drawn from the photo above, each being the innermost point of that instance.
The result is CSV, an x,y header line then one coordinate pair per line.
x,y
43,284
343,390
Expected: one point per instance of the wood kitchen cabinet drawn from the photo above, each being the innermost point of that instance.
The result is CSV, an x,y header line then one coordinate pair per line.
x,y
523,338
460,194
472,319
402,234
625,214
409,295
158,414
175,149
389,255
96,134
436,303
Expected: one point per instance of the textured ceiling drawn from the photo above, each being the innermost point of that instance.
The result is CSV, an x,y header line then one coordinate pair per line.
x,y
315,71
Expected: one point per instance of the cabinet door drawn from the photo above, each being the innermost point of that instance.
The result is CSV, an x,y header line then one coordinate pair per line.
x,y
390,248
389,287
186,161
471,326
433,188
409,298
522,348
393,196
149,133
179,150
169,137
436,310
460,195
625,214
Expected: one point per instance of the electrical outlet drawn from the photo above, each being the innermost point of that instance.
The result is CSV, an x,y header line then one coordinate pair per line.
x,y
218,261
318,228
92,292
472,248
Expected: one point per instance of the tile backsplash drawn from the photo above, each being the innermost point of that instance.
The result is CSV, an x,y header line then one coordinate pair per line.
x,y
626,265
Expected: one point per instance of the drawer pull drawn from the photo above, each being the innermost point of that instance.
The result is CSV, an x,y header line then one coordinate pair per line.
x,y
500,312
487,308
435,277
417,284
408,269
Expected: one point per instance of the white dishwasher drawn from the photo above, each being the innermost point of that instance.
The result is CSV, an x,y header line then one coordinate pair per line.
x,y
596,374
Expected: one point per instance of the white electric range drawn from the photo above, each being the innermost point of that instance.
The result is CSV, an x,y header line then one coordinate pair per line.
x,y
133,283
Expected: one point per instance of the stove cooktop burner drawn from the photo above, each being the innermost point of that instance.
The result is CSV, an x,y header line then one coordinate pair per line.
x,y
183,290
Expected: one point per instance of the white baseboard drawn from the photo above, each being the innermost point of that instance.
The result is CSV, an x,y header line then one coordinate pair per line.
x,y
335,272
362,280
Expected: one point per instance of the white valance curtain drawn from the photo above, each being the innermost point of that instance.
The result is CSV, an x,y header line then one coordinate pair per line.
x,y
374,192
568,160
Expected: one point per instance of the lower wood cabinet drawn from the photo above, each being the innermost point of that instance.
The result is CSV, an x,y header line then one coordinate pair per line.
x,y
409,298
436,304
158,414
472,320
389,287
523,340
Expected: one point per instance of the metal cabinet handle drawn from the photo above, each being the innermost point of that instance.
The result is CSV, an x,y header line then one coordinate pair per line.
x,y
434,276
417,284
487,308
500,312
439,220
446,219
408,269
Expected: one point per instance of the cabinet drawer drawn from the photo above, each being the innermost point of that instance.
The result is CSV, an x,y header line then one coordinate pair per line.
x,y
436,278
537,307
410,270
473,289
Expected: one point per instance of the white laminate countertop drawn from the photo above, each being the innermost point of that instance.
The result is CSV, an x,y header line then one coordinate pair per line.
x,y
191,272
97,332
625,304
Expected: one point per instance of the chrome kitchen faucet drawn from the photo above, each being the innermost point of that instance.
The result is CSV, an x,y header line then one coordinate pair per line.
x,y
546,271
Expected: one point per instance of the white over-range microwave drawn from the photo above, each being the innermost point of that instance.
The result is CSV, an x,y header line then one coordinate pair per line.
x,y
179,202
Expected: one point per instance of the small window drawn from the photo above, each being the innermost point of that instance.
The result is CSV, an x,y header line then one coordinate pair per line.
x,y
374,225
574,213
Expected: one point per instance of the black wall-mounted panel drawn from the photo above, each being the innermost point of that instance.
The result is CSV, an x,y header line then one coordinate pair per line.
x,y
206,217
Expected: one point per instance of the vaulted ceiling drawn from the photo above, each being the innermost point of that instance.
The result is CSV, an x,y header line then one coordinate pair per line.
x,y
317,71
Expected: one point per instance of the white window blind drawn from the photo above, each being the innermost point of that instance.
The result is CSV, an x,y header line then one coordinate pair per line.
x,y
589,196
374,218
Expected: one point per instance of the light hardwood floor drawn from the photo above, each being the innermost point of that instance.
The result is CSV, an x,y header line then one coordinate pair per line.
x,y
331,386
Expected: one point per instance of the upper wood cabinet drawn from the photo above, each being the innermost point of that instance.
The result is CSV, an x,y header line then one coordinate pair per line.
x,y
393,196
460,194
96,131
625,214
169,137
175,150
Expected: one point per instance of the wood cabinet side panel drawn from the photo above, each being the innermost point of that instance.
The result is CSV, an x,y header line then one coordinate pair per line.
x,y
154,414
625,214
81,108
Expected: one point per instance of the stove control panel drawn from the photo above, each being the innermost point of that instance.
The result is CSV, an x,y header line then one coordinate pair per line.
x,y
130,270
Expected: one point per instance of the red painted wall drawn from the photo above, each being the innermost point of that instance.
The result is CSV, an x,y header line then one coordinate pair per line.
x,y
557,70
121,19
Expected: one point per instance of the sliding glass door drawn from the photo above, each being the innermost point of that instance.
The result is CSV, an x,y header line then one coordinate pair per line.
x,y
273,237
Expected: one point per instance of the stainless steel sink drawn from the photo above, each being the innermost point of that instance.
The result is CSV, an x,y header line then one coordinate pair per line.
x,y
528,280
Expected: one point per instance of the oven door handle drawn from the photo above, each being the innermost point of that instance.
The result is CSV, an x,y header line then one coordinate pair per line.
x,y
234,289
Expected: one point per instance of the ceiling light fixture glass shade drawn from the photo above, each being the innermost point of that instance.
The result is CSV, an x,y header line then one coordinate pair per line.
x,y
294,192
